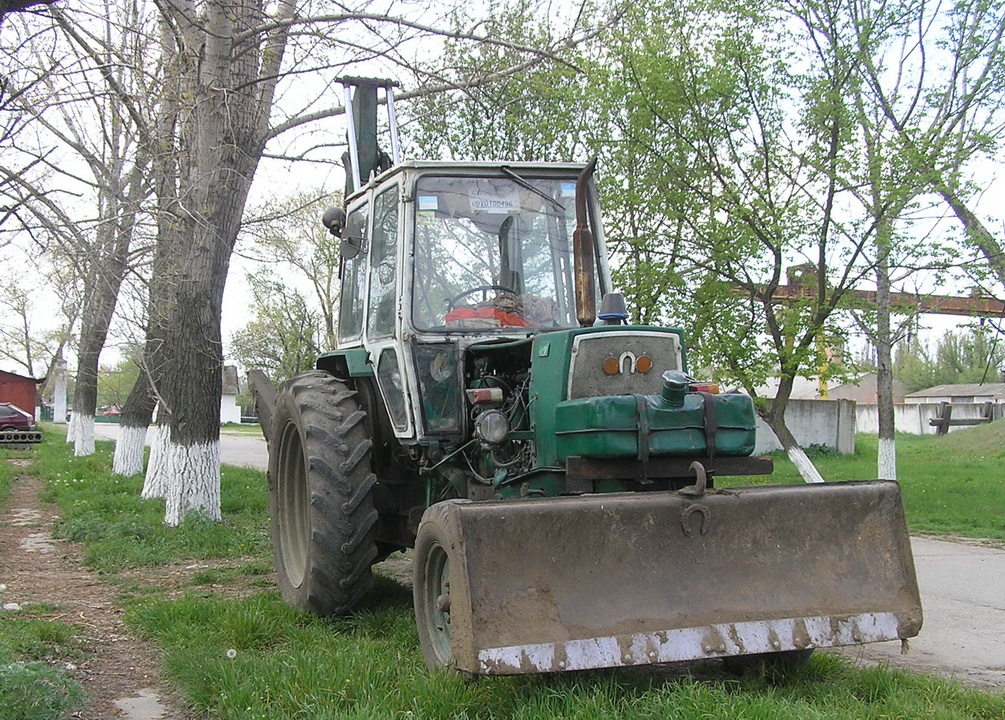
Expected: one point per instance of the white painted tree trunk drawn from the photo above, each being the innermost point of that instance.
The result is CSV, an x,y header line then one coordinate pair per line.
x,y
195,470
128,459
83,435
158,475
887,459
71,428
807,470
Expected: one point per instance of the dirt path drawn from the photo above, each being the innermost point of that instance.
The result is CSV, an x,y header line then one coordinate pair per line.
x,y
119,673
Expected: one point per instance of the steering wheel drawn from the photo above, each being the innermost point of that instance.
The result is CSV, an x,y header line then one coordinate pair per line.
x,y
479,288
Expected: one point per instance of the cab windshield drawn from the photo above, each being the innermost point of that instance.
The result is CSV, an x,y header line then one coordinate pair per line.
x,y
494,253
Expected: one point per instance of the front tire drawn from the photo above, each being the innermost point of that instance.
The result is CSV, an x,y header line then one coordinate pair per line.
x,y
431,588
320,495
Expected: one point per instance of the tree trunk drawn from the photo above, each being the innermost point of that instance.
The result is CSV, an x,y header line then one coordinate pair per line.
x,y
128,459
133,423
775,417
85,392
156,481
106,267
199,466
887,460
227,96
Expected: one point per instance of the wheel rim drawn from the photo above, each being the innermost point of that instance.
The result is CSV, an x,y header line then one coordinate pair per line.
x,y
294,506
436,605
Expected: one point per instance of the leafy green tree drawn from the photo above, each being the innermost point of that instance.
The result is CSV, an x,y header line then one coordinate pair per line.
x,y
537,114
971,355
288,234
284,336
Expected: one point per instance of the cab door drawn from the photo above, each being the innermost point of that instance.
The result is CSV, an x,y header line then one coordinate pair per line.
x,y
383,310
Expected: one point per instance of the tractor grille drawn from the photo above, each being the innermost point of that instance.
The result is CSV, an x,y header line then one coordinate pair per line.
x,y
622,363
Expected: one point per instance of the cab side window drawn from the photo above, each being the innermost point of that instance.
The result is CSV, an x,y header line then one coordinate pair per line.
x,y
350,317
383,266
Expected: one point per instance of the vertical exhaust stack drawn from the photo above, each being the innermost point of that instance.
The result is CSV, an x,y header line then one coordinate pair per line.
x,y
584,252
365,158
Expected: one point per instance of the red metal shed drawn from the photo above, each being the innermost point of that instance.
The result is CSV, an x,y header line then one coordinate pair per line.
x,y
19,390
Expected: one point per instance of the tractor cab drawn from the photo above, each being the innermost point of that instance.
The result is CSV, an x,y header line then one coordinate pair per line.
x,y
438,257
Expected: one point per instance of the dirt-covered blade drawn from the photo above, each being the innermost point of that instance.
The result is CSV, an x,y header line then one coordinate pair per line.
x,y
597,581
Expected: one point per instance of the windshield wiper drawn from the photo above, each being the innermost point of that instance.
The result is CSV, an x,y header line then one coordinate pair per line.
x,y
529,186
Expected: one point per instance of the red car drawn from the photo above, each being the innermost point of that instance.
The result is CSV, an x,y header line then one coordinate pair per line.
x,y
14,418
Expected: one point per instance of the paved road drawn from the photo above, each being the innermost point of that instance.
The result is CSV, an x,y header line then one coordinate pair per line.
x,y
238,450
962,591
963,595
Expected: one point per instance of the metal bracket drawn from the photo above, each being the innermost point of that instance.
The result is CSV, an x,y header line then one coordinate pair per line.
x,y
360,110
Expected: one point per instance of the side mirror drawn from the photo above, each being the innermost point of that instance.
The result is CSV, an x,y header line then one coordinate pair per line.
x,y
334,220
353,237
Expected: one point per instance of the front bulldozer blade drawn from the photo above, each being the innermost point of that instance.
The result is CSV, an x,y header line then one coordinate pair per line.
x,y
595,581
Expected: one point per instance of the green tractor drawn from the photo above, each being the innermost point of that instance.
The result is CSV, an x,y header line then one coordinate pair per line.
x,y
554,472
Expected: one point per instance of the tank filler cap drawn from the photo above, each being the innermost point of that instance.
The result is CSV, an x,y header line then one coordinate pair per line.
x,y
675,385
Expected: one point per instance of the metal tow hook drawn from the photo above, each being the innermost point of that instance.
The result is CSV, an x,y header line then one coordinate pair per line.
x,y
696,491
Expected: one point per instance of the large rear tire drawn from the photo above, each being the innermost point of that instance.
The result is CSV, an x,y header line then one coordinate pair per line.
x,y
431,588
320,495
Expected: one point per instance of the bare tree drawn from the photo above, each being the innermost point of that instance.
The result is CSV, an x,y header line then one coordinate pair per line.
x,y
77,93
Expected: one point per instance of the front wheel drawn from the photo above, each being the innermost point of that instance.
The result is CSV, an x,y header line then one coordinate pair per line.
x,y
431,588
320,495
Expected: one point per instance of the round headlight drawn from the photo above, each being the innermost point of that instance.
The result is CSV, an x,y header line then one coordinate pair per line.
x,y
491,427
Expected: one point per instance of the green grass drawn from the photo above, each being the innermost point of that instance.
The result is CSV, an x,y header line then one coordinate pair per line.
x,y
120,530
8,473
36,691
254,657
33,685
235,429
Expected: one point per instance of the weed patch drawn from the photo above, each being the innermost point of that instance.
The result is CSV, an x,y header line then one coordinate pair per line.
x,y
32,685
120,530
36,691
255,658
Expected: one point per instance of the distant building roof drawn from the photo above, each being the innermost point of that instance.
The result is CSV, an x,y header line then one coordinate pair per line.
x,y
994,390
863,389
22,377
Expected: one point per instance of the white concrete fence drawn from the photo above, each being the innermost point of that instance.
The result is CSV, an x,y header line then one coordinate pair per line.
x,y
830,423
913,419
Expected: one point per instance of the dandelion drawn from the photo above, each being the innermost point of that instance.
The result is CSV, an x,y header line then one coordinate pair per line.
x,y
232,653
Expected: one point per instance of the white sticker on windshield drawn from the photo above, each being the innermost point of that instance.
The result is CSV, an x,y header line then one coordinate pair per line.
x,y
494,197
568,189
428,202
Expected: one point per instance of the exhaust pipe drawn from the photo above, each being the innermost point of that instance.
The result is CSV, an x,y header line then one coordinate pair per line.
x,y
584,252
